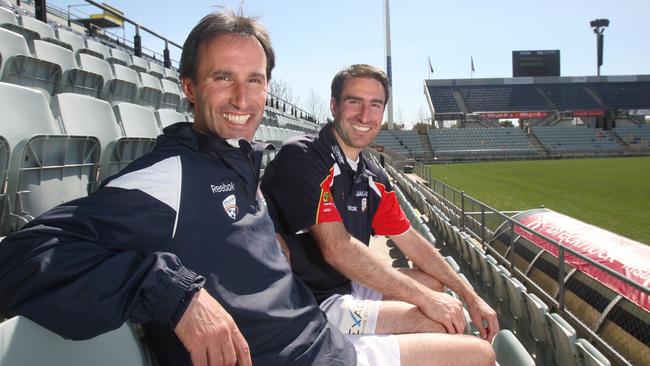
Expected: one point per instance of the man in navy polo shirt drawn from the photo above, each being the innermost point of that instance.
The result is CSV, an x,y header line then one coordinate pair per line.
x,y
327,200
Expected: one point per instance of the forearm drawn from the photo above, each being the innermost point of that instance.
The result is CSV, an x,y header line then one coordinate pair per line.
x,y
428,260
357,262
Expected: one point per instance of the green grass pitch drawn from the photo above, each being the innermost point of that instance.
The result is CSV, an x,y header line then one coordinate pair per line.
x,y
612,193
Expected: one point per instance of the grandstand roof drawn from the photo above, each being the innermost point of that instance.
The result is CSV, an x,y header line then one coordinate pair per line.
x,y
449,98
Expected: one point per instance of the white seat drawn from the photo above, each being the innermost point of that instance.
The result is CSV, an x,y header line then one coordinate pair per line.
x,y
171,75
117,151
73,79
44,30
509,351
139,64
7,17
563,340
119,87
150,92
166,117
97,48
23,342
156,69
136,120
171,96
74,40
119,57
588,355
47,167
19,67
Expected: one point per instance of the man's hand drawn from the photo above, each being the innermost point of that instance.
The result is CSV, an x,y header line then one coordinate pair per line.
x,y
481,312
210,334
444,309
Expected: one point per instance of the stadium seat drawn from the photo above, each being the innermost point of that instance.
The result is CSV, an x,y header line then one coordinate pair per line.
x,y
171,96
97,49
4,166
517,305
23,342
537,338
156,69
588,355
117,151
73,79
136,120
7,17
118,57
150,92
19,67
562,338
166,117
509,351
47,167
171,75
139,64
119,87
72,39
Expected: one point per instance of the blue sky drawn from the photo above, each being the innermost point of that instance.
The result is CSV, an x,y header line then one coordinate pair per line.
x,y
314,39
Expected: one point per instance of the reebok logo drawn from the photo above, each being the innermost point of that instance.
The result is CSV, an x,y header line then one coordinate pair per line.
x,y
225,187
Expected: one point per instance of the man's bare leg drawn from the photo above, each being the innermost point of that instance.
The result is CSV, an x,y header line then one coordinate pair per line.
x,y
444,349
398,317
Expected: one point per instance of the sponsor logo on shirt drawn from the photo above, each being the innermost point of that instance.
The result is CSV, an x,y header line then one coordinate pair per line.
x,y
364,204
230,206
352,208
326,197
361,194
224,187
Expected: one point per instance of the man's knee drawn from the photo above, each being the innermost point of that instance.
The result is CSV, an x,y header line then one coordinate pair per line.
x,y
484,352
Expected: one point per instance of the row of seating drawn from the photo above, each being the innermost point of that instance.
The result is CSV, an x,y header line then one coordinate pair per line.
x,y
561,140
540,97
59,153
546,335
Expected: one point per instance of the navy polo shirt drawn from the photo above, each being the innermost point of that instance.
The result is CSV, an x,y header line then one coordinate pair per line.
x,y
310,182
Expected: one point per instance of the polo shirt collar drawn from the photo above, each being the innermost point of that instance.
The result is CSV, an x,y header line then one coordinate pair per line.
x,y
327,135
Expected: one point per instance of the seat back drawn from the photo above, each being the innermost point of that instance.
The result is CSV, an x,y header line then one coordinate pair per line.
x,y
139,64
509,351
7,17
156,69
23,342
97,48
44,30
47,167
55,54
119,57
562,338
74,110
75,41
136,120
150,92
171,97
166,117
588,355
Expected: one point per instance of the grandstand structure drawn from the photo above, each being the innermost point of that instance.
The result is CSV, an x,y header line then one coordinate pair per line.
x,y
78,103
559,117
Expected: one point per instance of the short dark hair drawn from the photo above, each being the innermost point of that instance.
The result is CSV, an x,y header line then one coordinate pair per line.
x,y
217,24
358,71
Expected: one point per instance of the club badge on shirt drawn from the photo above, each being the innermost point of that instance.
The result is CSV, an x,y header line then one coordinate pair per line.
x,y
230,206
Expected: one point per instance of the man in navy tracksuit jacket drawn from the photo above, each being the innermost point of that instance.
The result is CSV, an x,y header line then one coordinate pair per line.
x,y
180,240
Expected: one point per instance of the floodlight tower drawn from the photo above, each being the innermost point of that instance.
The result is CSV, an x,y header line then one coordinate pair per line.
x,y
389,72
599,26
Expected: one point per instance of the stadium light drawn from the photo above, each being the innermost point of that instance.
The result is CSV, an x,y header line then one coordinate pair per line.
x,y
599,26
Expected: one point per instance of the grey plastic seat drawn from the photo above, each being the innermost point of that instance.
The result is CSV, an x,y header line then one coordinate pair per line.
x,y
452,263
517,305
562,338
74,40
150,92
19,67
509,351
47,166
136,120
171,74
171,96
23,342
166,117
117,151
97,49
156,69
7,17
116,89
537,339
118,57
73,79
139,64
588,355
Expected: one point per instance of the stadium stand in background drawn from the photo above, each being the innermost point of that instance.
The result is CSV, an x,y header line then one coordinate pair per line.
x,y
78,103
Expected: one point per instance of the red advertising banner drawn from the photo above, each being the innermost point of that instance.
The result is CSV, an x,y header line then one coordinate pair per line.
x,y
625,256
514,115
594,113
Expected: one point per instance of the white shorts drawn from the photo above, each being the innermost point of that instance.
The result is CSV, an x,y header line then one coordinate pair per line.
x,y
355,315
